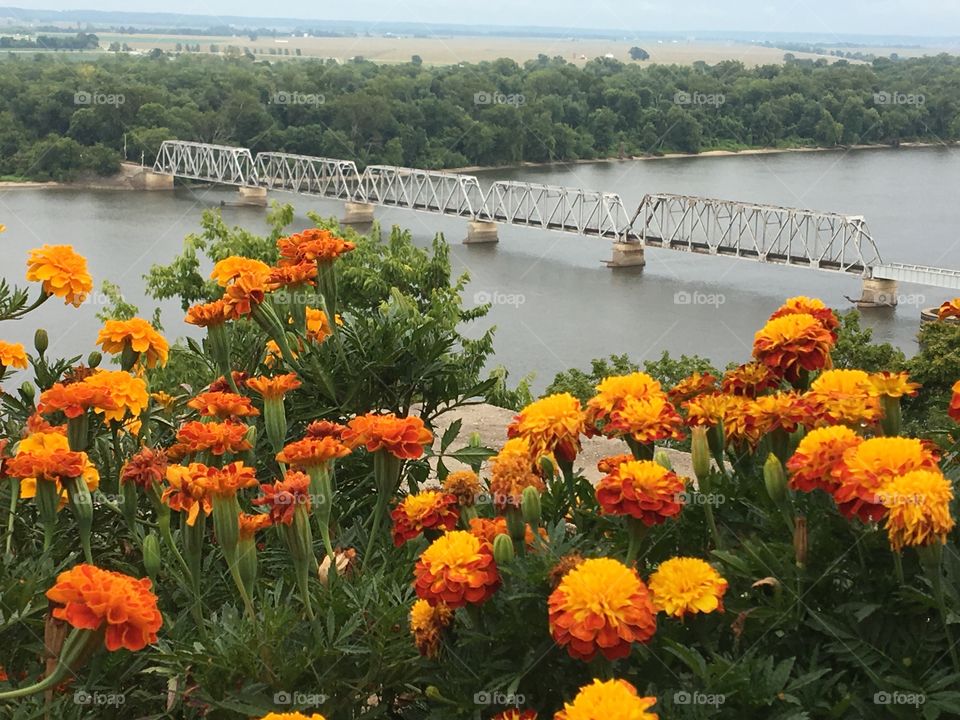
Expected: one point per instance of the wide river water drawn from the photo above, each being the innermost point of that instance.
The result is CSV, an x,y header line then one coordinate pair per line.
x,y
556,305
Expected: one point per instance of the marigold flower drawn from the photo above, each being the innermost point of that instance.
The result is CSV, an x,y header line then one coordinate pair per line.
x,y
62,271
318,325
275,387
954,410
427,510
608,700
684,585
464,485
52,466
510,475
250,525
215,437
320,429
223,405
13,355
743,421
749,380
642,489
515,714
601,606
456,569
90,598
128,393
918,508
187,491
949,309
139,336
45,442
311,452
208,314
487,529
610,464
229,269
791,344
844,397
228,480
564,565
869,466
427,623
291,275
691,386
312,245
346,561
801,305
243,294
75,399
708,410
404,438
646,420
895,385
146,468
553,426
221,384
292,716
284,496
818,454
783,410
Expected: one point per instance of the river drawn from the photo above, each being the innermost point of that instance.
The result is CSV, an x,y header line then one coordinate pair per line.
x,y
556,305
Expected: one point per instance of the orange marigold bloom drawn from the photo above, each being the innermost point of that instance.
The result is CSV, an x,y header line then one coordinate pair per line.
x,y
791,344
708,410
229,269
312,245
612,393
464,485
320,429
954,409
918,509
404,438
949,309
684,585
895,385
289,275
457,569
487,529
844,397
608,700
218,438
89,598
12,355
75,399
691,386
427,510
284,496
427,623
187,491
223,405
601,606
52,466
646,420
275,387
552,425
243,294
515,714
610,464
228,480
510,475
292,716
43,444
818,454
564,565
642,489
318,325
870,465
207,314
128,393
139,335
221,384
311,452
62,271
810,306
250,525
146,468
749,380
783,410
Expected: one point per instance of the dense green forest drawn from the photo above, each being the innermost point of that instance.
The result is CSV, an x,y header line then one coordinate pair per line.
x,y
59,117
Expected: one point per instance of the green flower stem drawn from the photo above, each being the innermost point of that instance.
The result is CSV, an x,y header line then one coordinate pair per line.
x,y
12,514
931,556
299,539
636,531
78,645
48,502
81,504
712,525
386,477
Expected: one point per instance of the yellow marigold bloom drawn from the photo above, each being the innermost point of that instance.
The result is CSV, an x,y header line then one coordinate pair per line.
x,y
458,568
845,397
819,452
918,508
954,409
318,325
695,384
234,266
895,385
684,585
784,410
250,525
13,355
646,420
869,466
128,392
708,410
642,489
743,421
223,405
427,510
608,700
601,606
950,309
749,379
427,623
791,344
553,426
510,475
164,400
275,387
292,716
208,314
464,485
515,714
45,443
139,336
62,271
810,306
187,490
612,393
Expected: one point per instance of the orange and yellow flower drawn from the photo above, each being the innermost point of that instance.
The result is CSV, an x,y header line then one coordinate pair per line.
x,y
487,529
145,468
949,309
13,355
129,393
646,420
225,482
810,306
208,314
818,454
274,387
139,336
292,716
918,509
75,399
845,397
427,510
552,425
62,271
613,392
708,410
954,409
404,438
510,474
320,429
318,325
291,275
457,569
312,452
609,464
223,405
250,525
187,490
427,623
216,437
515,714
895,385
749,380
45,442
55,466
608,700
464,485
312,245
243,294
601,606
691,386
792,344
642,489
786,411
229,269
284,496
683,585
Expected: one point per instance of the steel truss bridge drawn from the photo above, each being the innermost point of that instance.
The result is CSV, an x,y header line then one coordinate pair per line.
x,y
762,233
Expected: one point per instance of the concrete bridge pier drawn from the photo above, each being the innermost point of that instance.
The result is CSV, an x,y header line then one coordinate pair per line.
x,y
627,254
878,293
479,231
255,196
357,213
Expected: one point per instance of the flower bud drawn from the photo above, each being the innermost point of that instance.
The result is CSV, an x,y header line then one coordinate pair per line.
x,y
81,504
41,341
661,458
700,453
94,359
503,549
129,357
151,555
515,524
530,504
28,392
775,479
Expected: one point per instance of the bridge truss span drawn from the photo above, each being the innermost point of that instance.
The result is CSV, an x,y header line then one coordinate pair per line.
x,y
427,190
306,175
766,233
222,164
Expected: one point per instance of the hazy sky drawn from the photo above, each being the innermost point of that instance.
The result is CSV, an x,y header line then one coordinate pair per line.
x,y
890,17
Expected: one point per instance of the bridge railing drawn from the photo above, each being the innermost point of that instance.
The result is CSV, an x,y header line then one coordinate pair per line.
x,y
323,177
221,164
428,190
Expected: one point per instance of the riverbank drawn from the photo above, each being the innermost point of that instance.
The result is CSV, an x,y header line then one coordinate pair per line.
x,y
130,177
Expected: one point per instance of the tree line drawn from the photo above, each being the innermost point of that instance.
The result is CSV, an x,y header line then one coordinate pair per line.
x,y
489,113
